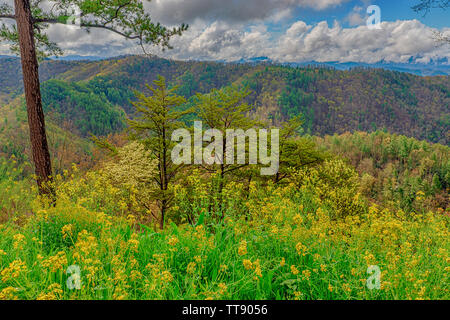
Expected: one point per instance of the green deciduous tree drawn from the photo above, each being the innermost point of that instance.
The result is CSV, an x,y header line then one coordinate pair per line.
x,y
158,116
27,36
223,110
296,151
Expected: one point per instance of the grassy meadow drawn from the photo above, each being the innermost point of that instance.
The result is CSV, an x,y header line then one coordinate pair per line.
x,y
312,237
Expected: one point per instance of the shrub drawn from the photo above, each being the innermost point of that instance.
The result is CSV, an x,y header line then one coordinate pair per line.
x,y
337,184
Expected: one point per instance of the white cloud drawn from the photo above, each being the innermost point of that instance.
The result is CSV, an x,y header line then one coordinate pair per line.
x,y
281,15
226,39
221,41
396,41
215,38
355,18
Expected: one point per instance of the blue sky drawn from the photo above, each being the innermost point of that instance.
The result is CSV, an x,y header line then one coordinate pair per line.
x,y
400,10
283,30
391,10
305,30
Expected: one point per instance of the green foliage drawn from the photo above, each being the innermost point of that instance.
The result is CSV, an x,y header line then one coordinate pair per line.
x,y
157,118
330,101
427,5
291,243
16,193
225,109
81,107
337,184
397,169
189,86
49,226
296,151
65,145
296,98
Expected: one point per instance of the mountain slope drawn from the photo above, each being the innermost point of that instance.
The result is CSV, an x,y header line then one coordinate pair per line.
x,y
332,101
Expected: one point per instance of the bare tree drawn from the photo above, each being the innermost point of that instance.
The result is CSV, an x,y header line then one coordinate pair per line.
x,y
425,6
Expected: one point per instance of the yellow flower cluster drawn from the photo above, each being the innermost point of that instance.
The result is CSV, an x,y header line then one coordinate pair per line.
x,y
248,265
56,262
242,250
14,270
19,241
8,293
173,241
301,249
191,267
294,270
67,231
53,292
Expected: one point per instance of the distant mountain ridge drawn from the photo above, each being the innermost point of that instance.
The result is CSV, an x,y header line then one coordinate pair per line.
x,y
79,58
65,58
440,67
331,100
420,69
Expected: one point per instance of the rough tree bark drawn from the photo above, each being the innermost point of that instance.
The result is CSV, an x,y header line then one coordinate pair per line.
x,y
36,121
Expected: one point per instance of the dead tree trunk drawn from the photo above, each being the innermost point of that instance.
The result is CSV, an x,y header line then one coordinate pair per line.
x,y
36,122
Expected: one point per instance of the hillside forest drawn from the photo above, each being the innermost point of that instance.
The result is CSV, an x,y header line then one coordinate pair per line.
x,y
362,190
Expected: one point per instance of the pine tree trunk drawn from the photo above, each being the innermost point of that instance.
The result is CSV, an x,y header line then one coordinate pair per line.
x,y
36,122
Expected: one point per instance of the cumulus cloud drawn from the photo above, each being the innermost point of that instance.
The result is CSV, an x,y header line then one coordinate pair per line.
x,y
221,41
216,38
356,18
228,40
397,41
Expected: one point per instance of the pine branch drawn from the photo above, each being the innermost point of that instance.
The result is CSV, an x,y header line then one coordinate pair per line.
x,y
7,16
91,25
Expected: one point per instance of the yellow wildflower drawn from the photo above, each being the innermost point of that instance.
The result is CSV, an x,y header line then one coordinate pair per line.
x,y
247,264
13,271
298,219
242,248
306,274
19,240
56,262
8,294
173,241
54,292
191,267
294,270
223,268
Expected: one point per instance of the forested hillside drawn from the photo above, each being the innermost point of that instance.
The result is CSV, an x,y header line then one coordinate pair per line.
x,y
139,225
298,150
66,147
331,101
11,73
